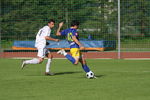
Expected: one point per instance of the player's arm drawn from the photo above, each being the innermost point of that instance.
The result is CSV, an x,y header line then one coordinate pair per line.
x,y
77,41
51,39
58,30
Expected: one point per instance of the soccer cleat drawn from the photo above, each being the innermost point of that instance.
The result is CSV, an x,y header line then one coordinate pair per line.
x,y
59,52
49,73
62,52
23,64
95,77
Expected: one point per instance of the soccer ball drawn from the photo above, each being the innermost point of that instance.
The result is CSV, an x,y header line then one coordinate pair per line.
x,y
90,75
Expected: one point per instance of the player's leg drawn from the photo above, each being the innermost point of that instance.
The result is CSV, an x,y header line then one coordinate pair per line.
x,y
32,61
75,53
35,60
84,64
85,67
48,64
69,57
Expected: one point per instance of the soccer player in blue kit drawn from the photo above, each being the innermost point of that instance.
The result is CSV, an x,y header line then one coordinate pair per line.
x,y
75,46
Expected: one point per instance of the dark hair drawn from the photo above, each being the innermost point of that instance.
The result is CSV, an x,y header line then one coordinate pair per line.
x,y
75,22
51,20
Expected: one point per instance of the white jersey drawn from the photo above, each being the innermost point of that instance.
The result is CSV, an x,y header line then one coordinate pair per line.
x,y
40,37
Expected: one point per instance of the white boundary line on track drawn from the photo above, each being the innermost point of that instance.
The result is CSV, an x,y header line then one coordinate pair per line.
x,y
86,58
53,58
31,58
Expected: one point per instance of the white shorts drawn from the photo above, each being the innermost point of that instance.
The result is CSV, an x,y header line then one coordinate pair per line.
x,y
42,52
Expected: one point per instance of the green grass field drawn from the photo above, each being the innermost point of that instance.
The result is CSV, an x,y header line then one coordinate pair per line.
x,y
117,80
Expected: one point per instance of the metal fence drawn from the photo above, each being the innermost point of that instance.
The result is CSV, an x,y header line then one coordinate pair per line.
x,y
125,21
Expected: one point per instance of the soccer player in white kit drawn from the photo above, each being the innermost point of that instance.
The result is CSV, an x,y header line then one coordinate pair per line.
x,y
41,41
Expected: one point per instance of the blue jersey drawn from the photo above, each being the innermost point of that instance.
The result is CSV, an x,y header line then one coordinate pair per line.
x,y
69,33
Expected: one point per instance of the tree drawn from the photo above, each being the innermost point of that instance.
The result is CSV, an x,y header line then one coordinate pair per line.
x,y
135,16
22,18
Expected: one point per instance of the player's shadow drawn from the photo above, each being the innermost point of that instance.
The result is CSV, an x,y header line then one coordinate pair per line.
x,y
62,73
99,76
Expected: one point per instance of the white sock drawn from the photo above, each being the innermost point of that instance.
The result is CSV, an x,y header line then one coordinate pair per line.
x,y
32,61
48,65
65,54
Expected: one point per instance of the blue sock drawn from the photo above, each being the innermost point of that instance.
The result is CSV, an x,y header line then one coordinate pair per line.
x,y
69,57
85,68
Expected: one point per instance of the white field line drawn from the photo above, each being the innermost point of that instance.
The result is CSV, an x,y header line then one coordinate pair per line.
x,y
136,58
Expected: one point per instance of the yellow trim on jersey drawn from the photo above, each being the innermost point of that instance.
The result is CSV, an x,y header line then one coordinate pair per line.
x,y
69,37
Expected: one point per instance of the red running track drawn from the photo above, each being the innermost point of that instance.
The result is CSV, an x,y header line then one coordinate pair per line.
x,y
100,55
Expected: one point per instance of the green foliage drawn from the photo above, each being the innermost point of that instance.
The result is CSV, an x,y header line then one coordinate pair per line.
x,y
21,19
136,16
